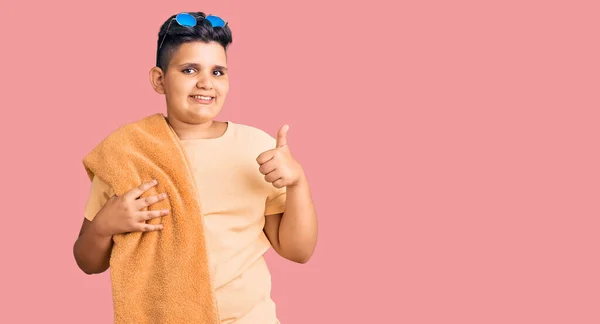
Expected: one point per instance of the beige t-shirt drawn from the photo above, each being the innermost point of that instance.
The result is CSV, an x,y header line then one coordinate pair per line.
x,y
234,200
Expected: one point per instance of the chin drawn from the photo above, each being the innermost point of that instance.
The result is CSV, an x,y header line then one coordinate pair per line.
x,y
196,114
201,116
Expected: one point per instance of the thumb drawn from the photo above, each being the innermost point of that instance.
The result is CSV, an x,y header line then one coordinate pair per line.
x,y
281,136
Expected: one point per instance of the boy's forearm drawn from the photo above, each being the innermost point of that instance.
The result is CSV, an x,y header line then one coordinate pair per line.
x,y
298,227
92,251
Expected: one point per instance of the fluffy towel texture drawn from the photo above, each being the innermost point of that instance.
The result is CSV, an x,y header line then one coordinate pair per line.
x,y
157,277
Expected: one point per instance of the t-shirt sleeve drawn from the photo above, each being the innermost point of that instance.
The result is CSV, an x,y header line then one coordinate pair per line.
x,y
100,193
275,201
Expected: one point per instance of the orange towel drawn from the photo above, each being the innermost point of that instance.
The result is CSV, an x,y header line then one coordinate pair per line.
x,y
163,276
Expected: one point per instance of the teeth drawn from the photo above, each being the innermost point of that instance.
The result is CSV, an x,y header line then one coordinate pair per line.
x,y
203,97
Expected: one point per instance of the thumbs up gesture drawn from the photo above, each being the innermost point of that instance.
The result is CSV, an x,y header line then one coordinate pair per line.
x,y
278,165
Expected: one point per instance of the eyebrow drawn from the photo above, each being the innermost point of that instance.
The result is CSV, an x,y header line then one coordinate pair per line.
x,y
197,66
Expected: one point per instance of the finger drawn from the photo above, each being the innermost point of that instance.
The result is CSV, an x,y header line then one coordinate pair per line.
x,y
272,176
268,166
143,227
279,183
265,156
145,202
282,136
139,190
148,215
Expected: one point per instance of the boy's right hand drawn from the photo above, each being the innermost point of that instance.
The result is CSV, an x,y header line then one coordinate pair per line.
x,y
123,214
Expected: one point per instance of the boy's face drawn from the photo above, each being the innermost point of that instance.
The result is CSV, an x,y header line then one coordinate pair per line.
x,y
196,82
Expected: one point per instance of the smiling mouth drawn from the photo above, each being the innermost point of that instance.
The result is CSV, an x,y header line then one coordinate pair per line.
x,y
203,99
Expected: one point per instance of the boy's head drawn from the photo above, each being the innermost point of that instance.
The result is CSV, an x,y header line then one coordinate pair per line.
x,y
191,66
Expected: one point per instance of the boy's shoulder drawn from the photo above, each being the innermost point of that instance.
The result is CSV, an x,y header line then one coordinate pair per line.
x,y
136,127
253,133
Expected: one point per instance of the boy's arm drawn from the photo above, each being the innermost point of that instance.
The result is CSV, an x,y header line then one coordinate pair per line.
x,y
111,215
293,234
92,250
106,215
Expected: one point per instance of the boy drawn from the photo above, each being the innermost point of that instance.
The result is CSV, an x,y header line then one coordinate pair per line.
x,y
252,194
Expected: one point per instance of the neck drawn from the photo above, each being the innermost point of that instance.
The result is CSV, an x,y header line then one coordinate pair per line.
x,y
205,130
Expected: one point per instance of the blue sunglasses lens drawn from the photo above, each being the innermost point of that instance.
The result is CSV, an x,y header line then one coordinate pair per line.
x,y
215,21
185,19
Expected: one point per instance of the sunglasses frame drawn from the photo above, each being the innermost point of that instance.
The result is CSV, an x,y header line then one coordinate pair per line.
x,y
185,15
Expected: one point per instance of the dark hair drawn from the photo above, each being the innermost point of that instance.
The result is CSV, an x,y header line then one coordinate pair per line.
x,y
202,32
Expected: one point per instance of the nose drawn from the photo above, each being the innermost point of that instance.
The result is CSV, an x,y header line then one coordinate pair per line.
x,y
204,81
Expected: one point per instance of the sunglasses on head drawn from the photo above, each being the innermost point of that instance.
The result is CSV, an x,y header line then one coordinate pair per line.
x,y
187,20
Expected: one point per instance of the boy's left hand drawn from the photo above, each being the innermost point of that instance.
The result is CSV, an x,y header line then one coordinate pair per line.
x,y
278,165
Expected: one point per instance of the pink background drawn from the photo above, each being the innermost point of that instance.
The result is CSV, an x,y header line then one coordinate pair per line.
x,y
452,148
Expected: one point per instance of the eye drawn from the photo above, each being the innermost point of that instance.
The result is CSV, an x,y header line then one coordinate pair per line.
x,y
218,72
185,71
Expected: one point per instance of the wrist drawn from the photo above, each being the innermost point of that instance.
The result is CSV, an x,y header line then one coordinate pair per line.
x,y
99,230
300,181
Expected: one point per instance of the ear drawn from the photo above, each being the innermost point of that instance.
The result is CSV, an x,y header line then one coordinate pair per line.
x,y
156,79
